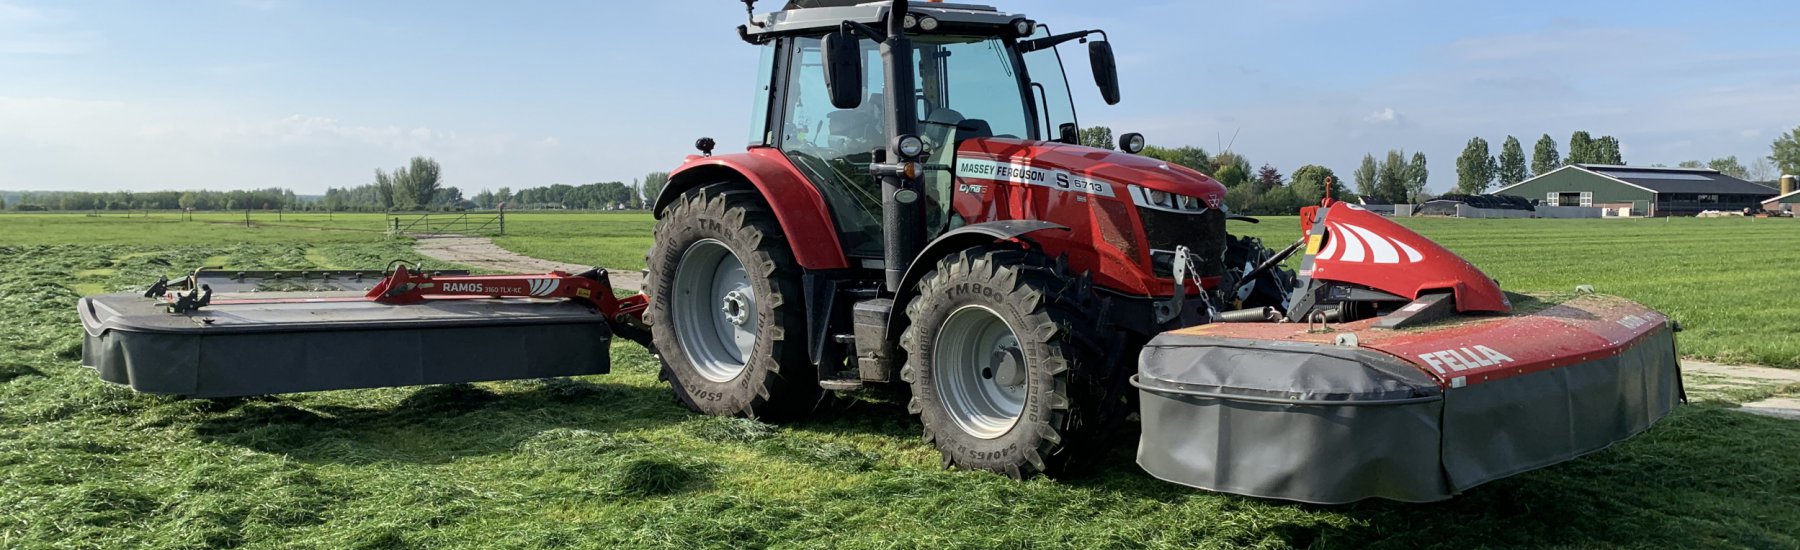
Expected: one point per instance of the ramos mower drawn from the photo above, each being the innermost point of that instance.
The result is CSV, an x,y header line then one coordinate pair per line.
x,y
914,210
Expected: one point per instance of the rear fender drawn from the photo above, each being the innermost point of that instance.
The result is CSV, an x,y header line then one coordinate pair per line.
x,y
798,206
961,238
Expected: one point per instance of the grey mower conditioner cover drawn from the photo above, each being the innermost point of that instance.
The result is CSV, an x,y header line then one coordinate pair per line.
x,y
1311,421
237,350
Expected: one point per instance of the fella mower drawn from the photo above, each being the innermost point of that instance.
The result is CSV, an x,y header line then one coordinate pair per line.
x,y
914,210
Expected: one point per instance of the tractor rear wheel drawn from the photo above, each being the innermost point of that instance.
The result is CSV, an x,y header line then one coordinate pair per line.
x,y
726,305
1004,358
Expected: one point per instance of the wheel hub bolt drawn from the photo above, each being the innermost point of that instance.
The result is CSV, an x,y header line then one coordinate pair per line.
x,y
737,307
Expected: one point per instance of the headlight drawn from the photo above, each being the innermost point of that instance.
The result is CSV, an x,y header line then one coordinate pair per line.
x,y
1162,198
1132,143
1170,202
911,21
1024,27
910,147
928,23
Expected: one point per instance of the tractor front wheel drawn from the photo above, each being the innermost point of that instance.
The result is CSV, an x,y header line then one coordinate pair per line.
x,y
999,366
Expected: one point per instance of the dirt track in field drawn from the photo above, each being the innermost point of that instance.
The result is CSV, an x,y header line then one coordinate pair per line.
x,y
1718,376
481,253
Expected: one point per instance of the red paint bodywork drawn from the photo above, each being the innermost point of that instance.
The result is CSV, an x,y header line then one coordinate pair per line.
x,y
406,286
1106,236
1585,329
1364,248
797,204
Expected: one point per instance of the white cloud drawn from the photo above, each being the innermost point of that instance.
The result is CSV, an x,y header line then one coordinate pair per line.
x,y
1386,116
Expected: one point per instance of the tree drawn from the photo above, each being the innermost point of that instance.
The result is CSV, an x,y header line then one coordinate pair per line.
x,y
1606,151
1762,170
1191,157
188,200
1474,168
1365,177
1691,164
384,189
416,184
1232,176
1417,176
1268,178
1544,159
1098,137
1730,167
1785,152
654,183
1309,183
1228,158
1390,178
1581,148
1512,162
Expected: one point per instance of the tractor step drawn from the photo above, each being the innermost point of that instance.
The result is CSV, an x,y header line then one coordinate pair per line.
x,y
301,342
841,384
1277,411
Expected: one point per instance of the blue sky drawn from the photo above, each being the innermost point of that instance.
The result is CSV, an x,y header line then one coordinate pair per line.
x,y
108,95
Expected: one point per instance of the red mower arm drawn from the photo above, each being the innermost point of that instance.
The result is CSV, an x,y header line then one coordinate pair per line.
x,y
405,287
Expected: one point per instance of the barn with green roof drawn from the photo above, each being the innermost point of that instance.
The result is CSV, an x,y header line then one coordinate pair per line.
x,y
1647,191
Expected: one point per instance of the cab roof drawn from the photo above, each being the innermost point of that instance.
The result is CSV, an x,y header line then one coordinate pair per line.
x,y
807,16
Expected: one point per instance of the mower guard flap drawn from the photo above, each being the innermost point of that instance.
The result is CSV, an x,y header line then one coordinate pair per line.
x,y
234,350
1271,410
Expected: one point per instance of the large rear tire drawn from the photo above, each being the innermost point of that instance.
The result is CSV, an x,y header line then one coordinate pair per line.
x,y
725,305
1006,364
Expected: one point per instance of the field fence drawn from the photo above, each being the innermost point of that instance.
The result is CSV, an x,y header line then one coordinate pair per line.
x,y
459,223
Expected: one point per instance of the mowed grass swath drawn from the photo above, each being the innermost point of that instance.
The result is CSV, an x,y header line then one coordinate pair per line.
x,y
612,461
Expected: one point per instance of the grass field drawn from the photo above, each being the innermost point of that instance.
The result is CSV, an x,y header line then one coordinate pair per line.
x,y
610,461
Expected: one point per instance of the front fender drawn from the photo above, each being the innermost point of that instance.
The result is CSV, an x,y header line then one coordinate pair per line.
x,y
961,238
804,217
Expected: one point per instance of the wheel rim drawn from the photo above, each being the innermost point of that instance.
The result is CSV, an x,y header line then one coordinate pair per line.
x,y
714,310
980,371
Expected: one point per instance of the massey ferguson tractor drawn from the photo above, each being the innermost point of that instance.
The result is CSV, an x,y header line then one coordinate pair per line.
x,y
914,210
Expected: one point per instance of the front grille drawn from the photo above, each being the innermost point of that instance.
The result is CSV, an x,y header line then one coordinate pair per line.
x,y
1203,233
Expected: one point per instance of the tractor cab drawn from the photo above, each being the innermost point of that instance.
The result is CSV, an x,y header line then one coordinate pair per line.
x,y
975,72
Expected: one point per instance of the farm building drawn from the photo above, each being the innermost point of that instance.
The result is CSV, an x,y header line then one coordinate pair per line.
x,y
1789,201
1646,191
1785,203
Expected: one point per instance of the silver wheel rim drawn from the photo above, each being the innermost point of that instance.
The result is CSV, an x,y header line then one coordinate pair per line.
x,y
980,371
714,310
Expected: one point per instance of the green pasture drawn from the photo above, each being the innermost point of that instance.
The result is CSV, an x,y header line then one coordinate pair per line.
x,y
612,462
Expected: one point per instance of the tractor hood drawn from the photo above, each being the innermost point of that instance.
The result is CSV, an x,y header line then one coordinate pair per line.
x,y
1103,172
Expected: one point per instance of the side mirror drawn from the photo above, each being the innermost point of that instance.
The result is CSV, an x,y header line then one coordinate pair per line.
x,y
843,69
1106,70
1068,133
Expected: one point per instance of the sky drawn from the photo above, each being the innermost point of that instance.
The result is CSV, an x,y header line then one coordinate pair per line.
x,y
106,95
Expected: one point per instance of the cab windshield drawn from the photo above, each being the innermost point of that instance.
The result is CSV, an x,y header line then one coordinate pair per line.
x,y
968,87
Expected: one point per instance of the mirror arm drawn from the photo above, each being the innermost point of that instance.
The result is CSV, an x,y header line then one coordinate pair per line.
x,y
1047,42
867,31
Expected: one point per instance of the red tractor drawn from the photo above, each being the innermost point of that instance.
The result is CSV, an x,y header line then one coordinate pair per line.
x,y
914,208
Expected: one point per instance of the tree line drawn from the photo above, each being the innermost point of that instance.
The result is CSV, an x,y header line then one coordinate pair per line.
x,y
254,199
1252,191
1477,170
